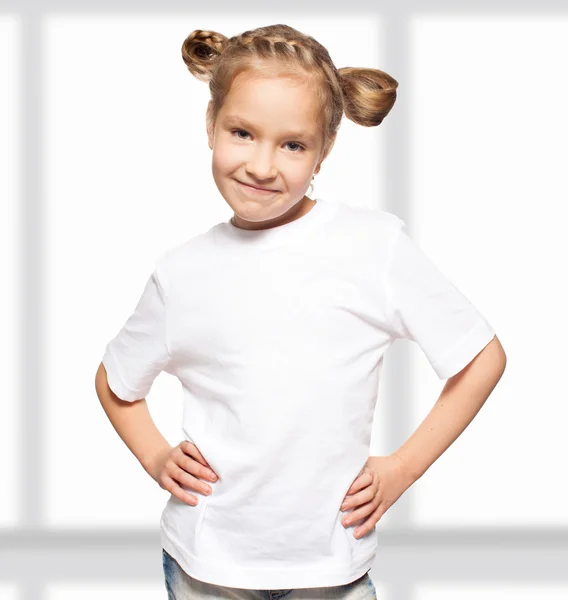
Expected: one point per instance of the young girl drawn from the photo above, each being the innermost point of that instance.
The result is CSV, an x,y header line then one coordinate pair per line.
x,y
276,323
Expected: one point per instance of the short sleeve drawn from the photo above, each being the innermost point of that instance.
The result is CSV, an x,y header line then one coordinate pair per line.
x,y
139,352
424,306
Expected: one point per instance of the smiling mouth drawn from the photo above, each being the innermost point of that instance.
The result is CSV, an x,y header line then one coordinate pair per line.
x,y
256,188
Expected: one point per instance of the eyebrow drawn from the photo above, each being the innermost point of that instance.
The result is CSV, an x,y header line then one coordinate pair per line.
x,y
235,120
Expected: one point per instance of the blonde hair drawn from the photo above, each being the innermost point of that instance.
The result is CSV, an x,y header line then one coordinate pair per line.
x,y
365,95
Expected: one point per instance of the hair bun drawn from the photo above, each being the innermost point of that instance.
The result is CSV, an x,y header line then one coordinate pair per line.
x,y
200,51
369,94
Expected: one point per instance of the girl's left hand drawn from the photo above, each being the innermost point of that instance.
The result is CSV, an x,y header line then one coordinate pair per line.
x,y
378,486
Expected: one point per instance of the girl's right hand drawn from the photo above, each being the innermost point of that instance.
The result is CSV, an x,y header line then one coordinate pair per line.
x,y
183,464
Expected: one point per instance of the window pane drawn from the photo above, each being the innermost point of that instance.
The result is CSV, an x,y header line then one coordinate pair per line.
x,y
115,201
10,244
488,198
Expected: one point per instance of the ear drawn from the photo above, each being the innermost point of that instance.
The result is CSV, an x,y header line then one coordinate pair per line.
x,y
210,128
210,136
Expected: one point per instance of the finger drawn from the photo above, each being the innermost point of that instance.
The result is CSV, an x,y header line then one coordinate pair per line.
x,y
361,482
200,456
364,509
191,465
361,497
369,524
191,449
183,477
177,491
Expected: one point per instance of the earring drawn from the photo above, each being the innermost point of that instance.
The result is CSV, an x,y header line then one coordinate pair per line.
x,y
312,186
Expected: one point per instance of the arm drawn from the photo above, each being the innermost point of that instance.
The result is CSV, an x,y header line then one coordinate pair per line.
x,y
133,423
461,399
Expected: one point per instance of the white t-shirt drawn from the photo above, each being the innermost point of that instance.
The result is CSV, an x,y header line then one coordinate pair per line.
x,y
277,337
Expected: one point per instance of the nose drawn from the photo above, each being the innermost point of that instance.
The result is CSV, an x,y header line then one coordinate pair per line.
x,y
261,166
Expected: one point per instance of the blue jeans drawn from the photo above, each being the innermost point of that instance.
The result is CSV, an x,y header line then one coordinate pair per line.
x,y
182,586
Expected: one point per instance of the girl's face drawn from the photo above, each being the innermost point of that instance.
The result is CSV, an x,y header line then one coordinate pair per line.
x,y
266,135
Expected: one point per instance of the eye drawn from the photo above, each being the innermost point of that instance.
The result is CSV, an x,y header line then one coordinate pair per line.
x,y
299,146
239,131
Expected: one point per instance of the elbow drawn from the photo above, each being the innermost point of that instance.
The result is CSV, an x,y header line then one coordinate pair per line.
x,y
500,356
100,378
101,384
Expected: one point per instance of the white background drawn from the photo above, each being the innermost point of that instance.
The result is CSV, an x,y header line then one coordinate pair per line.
x,y
105,164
